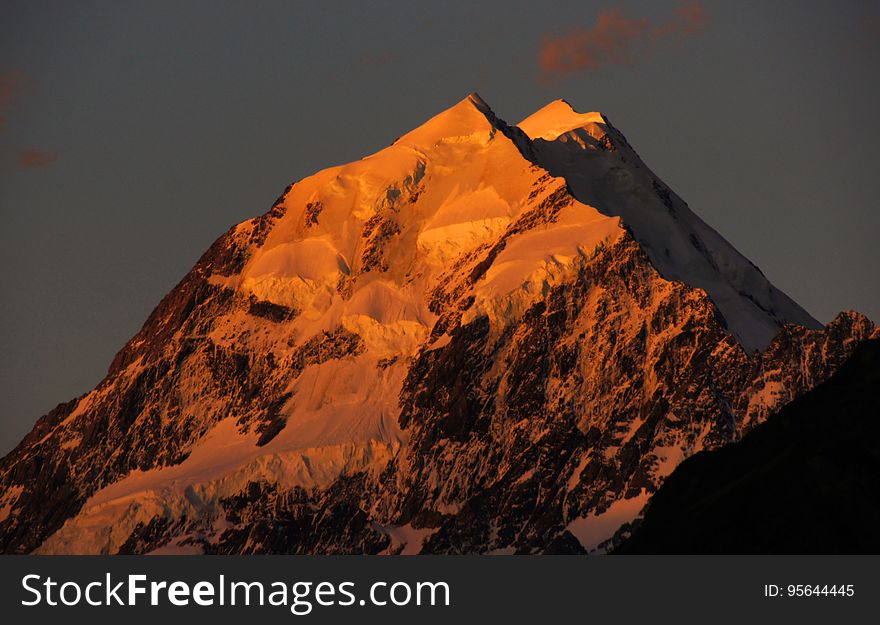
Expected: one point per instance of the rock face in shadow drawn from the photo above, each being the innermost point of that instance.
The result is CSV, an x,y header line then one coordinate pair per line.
x,y
803,482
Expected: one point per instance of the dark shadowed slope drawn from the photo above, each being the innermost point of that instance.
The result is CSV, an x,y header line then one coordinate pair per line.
x,y
805,481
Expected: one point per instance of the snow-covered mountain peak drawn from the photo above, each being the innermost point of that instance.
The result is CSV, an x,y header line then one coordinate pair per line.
x,y
471,119
557,118
435,344
466,170
602,170
474,98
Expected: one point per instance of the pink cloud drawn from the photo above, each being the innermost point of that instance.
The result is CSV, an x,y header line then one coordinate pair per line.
x,y
11,83
34,159
616,39
378,59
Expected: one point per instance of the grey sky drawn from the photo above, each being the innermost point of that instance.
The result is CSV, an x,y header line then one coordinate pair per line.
x,y
169,122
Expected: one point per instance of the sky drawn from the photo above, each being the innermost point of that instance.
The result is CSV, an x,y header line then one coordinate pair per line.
x,y
133,134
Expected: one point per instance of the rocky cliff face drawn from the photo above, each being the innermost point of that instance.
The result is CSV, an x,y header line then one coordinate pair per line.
x,y
804,481
483,338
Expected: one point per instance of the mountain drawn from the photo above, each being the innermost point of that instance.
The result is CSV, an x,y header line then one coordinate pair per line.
x,y
483,338
805,481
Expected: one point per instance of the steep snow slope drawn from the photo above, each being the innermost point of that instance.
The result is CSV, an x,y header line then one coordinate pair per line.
x,y
363,257
604,171
473,340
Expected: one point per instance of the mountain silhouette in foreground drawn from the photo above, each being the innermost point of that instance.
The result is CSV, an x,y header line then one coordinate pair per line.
x,y
483,338
805,481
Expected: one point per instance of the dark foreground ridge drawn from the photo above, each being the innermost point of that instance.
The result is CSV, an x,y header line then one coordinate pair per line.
x,y
805,481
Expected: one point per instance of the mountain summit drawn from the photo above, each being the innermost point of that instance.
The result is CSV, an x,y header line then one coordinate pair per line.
x,y
483,338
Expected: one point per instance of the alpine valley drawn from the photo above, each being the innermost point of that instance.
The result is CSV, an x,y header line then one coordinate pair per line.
x,y
482,339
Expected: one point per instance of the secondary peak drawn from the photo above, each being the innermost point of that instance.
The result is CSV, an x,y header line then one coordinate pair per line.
x,y
557,118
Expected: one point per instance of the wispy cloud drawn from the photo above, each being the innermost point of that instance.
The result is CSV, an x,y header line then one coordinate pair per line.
x,y
871,24
616,38
376,60
11,83
35,159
